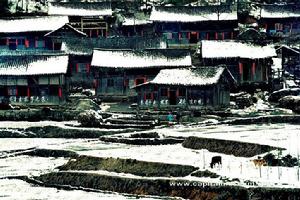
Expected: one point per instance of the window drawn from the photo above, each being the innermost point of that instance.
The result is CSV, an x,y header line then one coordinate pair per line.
x,y
12,44
148,96
21,41
22,91
40,43
3,42
53,90
110,82
81,67
139,81
279,26
57,46
164,92
12,91
3,91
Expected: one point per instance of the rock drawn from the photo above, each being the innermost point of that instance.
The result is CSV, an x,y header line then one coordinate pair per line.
x,y
275,96
244,101
290,102
88,92
90,119
233,96
87,104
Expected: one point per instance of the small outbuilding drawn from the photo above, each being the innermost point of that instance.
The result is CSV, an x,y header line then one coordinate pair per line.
x,y
191,89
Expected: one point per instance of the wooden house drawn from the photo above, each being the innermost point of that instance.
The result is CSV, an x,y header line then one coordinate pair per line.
x,y
278,20
28,33
191,89
91,18
137,25
189,24
80,51
290,57
116,71
33,80
248,63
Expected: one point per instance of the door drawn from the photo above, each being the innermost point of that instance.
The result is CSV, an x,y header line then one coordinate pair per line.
x,y
172,97
193,37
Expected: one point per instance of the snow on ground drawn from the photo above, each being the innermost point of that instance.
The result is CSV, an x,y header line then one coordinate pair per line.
x,y
55,143
63,124
26,124
232,167
281,135
29,166
20,190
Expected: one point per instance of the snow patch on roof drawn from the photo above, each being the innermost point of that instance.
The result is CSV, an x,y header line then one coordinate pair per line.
x,y
189,14
79,9
189,77
276,11
141,59
232,49
32,24
21,66
135,21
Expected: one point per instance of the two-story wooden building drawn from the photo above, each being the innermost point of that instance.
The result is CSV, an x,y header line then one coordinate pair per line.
x,y
190,89
248,63
184,25
32,66
28,33
92,18
116,71
80,51
278,20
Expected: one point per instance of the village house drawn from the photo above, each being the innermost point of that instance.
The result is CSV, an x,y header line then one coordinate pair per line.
x,y
278,20
33,80
198,88
92,18
290,61
249,64
116,71
28,33
184,25
80,51
136,26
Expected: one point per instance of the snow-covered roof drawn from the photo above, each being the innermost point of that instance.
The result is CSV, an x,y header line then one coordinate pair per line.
x,y
234,49
80,8
276,11
85,46
151,58
134,21
295,50
33,65
32,24
189,77
192,13
68,26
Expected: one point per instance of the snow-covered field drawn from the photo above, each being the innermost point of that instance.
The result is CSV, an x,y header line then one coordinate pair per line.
x,y
20,190
280,135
